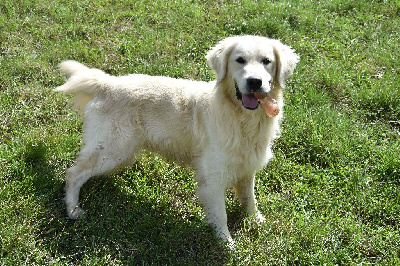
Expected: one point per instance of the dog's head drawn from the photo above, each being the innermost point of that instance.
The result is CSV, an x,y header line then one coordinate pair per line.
x,y
252,64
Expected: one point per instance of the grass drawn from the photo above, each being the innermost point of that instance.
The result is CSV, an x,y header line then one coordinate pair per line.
x,y
330,196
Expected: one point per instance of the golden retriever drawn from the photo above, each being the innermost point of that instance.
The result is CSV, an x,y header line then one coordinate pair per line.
x,y
215,127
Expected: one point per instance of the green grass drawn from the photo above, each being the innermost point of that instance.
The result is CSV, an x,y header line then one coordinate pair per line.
x,y
330,196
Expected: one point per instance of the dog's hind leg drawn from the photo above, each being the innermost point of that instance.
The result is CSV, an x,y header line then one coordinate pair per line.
x,y
89,164
76,177
103,153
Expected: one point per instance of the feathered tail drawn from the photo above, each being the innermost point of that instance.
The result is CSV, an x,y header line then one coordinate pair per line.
x,y
82,82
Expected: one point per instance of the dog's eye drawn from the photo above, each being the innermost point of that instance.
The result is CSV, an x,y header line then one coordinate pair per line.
x,y
240,60
266,61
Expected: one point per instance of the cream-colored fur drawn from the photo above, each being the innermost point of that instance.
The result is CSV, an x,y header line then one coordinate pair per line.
x,y
200,124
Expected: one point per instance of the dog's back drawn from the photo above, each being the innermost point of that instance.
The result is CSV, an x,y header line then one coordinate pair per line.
x,y
164,114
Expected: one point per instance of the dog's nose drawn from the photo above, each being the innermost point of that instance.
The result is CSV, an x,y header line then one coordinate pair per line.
x,y
254,83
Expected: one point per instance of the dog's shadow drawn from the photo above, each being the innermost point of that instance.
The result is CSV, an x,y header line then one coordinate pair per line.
x,y
121,223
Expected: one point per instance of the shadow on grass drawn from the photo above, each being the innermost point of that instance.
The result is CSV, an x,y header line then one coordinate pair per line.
x,y
124,227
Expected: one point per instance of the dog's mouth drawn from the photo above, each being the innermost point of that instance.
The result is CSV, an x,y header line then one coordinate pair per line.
x,y
251,102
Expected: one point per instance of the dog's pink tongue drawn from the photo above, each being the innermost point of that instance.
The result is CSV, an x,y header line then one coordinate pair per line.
x,y
249,101
270,106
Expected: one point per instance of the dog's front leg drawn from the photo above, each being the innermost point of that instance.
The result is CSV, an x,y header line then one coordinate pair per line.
x,y
212,196
245,192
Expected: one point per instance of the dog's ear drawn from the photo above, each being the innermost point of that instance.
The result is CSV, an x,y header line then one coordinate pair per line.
x,y
286,60
217,57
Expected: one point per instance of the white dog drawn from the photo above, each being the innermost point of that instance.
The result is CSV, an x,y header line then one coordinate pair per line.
x,y
215,127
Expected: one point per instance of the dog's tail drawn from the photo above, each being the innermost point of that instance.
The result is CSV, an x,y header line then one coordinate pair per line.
x,y
82,81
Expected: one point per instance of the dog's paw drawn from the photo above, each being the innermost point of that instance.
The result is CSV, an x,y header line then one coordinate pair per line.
x,y
230,243
226,239
75,213
259,218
